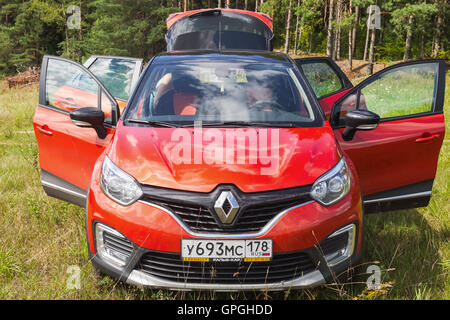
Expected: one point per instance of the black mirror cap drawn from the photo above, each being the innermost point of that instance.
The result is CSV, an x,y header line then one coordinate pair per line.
x,y
90,117
359,120
362,119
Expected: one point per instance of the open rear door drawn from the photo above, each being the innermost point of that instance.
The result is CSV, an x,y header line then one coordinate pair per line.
x,y
327,80
219,29
118,74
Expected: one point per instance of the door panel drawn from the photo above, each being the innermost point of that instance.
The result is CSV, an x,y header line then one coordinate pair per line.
x,y
397,160
327,80
119,75
67,153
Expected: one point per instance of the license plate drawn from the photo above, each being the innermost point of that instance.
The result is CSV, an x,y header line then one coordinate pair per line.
x,y
226,250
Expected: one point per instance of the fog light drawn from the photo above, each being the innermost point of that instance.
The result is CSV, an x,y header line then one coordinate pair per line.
x,y
112,246
337,256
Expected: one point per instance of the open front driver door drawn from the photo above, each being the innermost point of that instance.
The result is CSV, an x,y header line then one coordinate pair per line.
x,y
67,152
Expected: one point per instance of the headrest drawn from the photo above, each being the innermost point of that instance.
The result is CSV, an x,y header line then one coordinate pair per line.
x,y
186,83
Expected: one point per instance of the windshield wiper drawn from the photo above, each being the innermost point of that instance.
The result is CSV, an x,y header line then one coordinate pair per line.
x,y
153,123
243,124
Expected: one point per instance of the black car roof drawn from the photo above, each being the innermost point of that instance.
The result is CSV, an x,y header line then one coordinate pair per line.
x,y
241,56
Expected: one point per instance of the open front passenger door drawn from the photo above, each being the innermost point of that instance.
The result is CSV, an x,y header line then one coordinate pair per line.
x,y
396,161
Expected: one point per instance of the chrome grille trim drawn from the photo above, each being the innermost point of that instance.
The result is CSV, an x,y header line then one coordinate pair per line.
x,y
261,232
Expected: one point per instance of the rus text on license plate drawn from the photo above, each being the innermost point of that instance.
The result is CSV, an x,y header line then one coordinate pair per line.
x,y
226,250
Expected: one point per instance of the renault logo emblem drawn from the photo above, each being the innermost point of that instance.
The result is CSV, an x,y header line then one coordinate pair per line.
x,y
226,207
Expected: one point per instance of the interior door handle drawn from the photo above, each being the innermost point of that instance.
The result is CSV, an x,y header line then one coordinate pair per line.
x,y
45,130
427,138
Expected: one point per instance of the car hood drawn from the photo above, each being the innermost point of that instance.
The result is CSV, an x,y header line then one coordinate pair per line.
x,y
200,159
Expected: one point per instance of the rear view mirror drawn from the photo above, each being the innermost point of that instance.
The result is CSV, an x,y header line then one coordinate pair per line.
x,y
90,117
359,120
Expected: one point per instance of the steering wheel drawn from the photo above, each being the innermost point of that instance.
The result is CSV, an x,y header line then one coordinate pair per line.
x,y
261,104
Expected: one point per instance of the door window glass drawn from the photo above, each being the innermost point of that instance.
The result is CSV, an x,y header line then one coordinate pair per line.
x,y
115,74
68,87
322,78
107,107
402,91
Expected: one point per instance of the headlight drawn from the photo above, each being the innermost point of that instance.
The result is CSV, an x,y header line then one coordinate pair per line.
x,y
119,185
333,185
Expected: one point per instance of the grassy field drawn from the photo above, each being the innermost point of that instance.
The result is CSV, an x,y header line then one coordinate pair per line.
x,y
40,237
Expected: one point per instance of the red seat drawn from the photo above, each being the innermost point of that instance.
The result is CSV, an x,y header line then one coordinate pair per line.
x,y
184,104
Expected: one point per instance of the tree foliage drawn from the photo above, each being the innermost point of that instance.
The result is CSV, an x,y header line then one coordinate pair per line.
x,y
31,28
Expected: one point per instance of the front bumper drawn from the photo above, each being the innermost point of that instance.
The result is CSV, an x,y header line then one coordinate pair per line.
x,y
151,228
312,279
319,271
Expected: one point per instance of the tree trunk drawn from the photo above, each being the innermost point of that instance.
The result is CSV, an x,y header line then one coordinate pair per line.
x,y
350,50
357,19
288,28
296,29
300,31
337,37
310,43
237,4
227,4
219,4
409,34
246,5
371,52
185,5
80,31
330,30
350,41
381,36
422,46
367,36
437,34
256,6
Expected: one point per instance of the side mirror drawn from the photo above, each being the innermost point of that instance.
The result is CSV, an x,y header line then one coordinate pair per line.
x,y
89,117
359,120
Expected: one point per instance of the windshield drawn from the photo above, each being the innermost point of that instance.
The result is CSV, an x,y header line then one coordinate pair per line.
x,y
222,92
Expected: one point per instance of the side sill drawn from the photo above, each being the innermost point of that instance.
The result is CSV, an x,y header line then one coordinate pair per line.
x,y
63,190
411,196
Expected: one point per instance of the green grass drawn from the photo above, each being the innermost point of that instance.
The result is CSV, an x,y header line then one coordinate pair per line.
x,y
41,237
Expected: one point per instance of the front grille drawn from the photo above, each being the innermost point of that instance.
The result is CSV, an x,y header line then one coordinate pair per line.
x,y
250,219
256,217
196,209
283,267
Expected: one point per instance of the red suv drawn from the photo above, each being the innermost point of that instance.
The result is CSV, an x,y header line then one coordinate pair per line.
x,y
234,170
